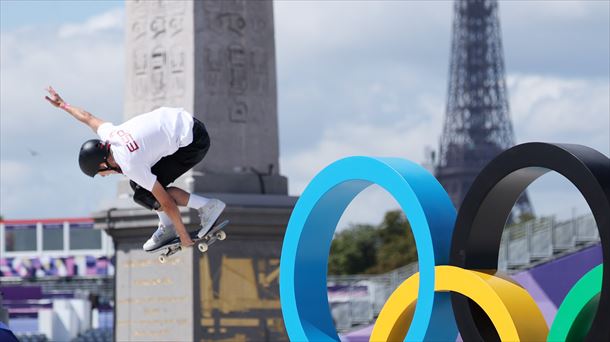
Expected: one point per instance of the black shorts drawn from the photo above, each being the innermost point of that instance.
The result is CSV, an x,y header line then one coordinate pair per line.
x,y
169,168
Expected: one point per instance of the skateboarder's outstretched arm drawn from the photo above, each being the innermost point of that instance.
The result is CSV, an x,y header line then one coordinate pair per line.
x,y
79,114
168,205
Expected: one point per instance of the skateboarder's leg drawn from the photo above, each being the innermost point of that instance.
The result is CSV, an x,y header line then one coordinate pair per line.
x,y
165,229
209,213
169,168
209,209
185,199
180,196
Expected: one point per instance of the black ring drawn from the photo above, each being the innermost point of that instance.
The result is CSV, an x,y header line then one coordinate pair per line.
x,y
488,204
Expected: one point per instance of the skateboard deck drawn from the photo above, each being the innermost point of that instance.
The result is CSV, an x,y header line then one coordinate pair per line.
x,y
203,243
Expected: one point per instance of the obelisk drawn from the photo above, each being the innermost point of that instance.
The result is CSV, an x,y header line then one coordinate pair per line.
x,y
216,59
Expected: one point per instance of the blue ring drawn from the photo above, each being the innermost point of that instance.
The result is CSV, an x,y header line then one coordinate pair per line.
x,y
306,246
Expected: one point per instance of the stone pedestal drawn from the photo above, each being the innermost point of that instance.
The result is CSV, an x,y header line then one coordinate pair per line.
x,y
229,293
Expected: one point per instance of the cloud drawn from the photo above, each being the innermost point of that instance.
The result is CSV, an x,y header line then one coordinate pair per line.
x,y
560,110
543,108
51,184
370,78
551,12
322,36
406,138
400,139
568,38
113,20
14,176
354,78
567,110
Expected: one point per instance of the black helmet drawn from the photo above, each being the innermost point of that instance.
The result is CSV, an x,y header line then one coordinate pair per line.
x,y
92,153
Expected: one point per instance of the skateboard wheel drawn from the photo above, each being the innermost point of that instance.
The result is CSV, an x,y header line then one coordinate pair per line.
x,y
221,235
203,247
162,259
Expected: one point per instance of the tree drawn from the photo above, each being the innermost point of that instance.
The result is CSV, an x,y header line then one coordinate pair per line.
x,y
373,249
398,244
353,250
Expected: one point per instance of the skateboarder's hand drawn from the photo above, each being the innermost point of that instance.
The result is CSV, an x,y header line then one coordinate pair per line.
x,y
55,99
186,241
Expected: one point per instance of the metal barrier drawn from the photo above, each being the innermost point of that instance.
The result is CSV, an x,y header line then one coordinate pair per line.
x,y
540,239
358,299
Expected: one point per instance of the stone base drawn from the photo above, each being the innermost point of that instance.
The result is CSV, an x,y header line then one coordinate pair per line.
x,y
234,183
229,293
241,184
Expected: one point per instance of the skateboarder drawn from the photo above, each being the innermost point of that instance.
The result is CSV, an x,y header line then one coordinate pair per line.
x,y
152,149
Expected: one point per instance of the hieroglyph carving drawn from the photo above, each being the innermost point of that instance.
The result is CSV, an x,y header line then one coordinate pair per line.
x,y
158,62
236,63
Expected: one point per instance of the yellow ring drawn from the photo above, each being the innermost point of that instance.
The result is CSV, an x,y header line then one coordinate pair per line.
x,y
511,309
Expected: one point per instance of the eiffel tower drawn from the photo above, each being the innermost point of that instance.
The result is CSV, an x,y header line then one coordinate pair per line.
x,y
477,124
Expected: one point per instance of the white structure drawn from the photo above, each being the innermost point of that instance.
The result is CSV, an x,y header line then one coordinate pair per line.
x,y
42,246
67,319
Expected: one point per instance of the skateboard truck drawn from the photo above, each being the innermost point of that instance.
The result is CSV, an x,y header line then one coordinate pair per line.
x,y
203,243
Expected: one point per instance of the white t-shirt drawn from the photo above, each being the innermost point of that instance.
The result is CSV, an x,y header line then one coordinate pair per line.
x,y
142,141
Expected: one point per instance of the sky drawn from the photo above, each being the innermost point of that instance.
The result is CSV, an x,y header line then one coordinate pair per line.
x,y
354,78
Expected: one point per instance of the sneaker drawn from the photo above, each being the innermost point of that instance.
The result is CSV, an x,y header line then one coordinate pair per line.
x,y
209,213
161,236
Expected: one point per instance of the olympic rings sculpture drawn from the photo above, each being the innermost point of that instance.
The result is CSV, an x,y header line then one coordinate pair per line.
x,y
458,286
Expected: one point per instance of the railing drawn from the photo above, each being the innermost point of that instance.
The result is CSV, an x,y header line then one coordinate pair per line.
x,y
54,238
541,239
358,299
354,306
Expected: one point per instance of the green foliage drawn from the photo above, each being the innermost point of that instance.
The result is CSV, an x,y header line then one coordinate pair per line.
x,y
398,245
353,250
366,249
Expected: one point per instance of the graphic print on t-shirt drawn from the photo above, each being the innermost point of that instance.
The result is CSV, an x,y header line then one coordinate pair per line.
x,y
128,140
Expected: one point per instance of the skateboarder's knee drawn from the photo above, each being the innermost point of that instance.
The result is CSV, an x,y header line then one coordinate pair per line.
x,y
180,196
148,202
144,197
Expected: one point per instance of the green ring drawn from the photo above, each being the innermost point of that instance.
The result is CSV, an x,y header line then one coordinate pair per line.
x,y
576,312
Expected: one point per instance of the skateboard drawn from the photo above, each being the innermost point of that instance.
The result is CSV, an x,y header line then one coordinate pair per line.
x,y
203,243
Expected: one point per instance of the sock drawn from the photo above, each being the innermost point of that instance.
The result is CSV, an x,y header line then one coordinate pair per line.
x,y
165,219
196,201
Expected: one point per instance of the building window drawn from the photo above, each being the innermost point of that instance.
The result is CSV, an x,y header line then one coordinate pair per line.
x,y
53,237
20,238
83,236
